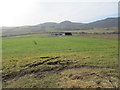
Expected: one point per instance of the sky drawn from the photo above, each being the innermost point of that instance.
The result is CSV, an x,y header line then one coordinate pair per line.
x,y
32,12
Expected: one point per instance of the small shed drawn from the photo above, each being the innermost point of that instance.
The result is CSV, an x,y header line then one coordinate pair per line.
x,y
62,33
67,33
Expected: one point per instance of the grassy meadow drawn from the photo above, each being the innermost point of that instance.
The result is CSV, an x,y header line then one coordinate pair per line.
x,y
59,62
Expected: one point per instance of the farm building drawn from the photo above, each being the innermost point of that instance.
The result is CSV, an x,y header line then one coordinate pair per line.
x,y
62,33
67,33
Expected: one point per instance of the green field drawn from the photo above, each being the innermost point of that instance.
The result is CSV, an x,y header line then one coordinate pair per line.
x,y
21,46
55,61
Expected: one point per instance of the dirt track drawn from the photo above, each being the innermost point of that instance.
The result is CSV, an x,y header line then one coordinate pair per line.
x,y
79,76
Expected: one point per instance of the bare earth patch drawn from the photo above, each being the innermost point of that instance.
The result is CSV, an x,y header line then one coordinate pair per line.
x,y
63,77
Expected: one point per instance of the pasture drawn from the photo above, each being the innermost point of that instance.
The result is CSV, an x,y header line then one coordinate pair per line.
x,y
59,62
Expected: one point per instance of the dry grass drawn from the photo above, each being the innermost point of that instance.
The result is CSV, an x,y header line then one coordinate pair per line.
x,y
110,36
87,78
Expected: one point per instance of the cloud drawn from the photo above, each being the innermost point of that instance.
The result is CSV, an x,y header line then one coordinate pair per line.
x,y
31,12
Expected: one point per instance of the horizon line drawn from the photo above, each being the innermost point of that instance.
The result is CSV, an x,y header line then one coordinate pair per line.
x,y
62,21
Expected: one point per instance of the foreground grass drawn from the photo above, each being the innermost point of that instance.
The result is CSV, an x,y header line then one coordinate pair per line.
x,y
55,60
70,78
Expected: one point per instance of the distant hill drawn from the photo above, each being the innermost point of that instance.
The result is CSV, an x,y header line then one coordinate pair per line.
x,y
106,23
63,26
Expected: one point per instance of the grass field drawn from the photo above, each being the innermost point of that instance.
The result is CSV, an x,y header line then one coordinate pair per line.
x,y
71,62
92,31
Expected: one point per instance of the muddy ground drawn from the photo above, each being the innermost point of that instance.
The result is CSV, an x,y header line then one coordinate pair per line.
x,y
66,77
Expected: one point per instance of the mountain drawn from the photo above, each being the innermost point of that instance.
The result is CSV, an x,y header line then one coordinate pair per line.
x,y
106,23
68,25
63,26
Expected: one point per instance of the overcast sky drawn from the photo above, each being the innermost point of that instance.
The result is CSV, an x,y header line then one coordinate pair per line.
x,y
32,12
